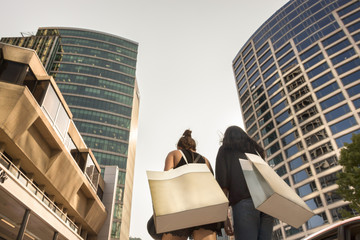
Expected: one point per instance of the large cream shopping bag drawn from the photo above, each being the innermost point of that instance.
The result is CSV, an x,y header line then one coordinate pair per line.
x,y
185,197
271,194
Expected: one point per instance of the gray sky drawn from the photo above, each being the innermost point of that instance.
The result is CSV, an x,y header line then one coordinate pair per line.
x,y
184,67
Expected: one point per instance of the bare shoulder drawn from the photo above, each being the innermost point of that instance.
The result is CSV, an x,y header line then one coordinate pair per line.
x,y
174,153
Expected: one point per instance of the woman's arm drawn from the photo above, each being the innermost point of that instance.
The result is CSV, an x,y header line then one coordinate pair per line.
x,y
170,161
209,165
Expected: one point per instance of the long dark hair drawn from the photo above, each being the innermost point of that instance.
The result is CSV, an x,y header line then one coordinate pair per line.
x,y
186,141
237,139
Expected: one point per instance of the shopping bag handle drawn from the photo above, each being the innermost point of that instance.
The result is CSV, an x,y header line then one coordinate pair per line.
x,y
194,161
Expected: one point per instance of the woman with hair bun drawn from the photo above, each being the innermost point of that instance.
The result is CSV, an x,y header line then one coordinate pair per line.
x,y
249,223
186,146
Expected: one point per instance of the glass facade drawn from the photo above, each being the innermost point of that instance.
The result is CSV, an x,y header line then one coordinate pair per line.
x,y
95,72
298,82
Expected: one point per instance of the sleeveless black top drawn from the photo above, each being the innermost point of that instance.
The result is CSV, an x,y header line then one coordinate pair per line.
x,y
191,157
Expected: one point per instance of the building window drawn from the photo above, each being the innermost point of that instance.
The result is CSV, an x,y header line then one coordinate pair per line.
x,y
332,101
348,66
343,56
295,84
286,58
264,119
337,213
308,127
357,103
267,64
303,103
338,112
246,105
313,61
314,203
248,112
316,221
277,97
252,130
262,50
349,8
328,180
246,50
298,162
273,149
333,38
321,80
274,88
326,164
351,78
316,71
340,46
282,117
257,93
247,65
302,175
262,109
269,72
281,171
282,51
277,235
264,57
288,66
289,230
260,101
327,90
306,189
316,137
290,138
286,127
280,106
244,97
302,117
267,128
299,93
252,79
354,90
250,121
294,149
275,160
354,27
238,68
271,80
270,139
243,89
342,125
351,18
251,70
310,52
332,197
320,150
345,139
241,77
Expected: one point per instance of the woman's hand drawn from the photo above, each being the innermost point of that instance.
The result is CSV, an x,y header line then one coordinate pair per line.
x,y
228,227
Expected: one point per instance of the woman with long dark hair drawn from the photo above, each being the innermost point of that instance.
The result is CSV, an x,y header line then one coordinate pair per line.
x,y
249,223
186,146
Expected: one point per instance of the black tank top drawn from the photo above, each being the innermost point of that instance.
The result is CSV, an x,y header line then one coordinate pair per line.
x,y
190,157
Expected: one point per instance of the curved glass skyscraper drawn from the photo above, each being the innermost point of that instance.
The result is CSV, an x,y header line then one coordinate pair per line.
x,y
95,72
298,81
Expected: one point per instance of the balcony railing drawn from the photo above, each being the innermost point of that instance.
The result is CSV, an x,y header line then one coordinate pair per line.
x,y
5,162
